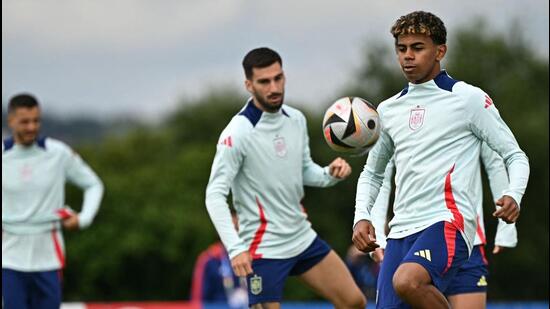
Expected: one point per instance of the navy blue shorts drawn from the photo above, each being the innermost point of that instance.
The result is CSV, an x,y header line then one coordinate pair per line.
x,y
267,282
440,249
27,290
472,276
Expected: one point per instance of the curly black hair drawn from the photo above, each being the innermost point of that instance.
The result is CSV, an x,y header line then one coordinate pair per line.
x,y
420,22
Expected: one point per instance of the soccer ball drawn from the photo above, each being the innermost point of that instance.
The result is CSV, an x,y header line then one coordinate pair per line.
x,y
351,125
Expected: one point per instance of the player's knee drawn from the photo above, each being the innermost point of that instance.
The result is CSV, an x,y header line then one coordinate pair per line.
x,y
409,278
404,285
356,300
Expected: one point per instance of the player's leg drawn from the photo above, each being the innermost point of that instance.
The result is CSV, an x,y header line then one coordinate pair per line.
x,y
266,284
46,291
468,301
469,287
14,289
266,306
430,266
395,251
332,280
412,283
322,270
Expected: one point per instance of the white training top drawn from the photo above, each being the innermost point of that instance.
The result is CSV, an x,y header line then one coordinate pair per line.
x,y
506,235
434,131
33,199
264,159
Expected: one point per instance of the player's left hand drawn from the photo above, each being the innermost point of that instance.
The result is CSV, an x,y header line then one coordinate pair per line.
x,y
71,222
497,249
509,209
339,168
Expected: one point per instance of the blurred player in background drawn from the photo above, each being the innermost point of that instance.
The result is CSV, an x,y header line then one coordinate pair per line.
x,y
214,279
468,290
433,129
34,172
263,157
364,271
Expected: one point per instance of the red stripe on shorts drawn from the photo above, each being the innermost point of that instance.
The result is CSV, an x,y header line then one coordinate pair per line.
x,y
450,238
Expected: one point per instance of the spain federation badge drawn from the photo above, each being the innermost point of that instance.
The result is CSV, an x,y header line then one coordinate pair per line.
x,y
280,146
416,120
256,285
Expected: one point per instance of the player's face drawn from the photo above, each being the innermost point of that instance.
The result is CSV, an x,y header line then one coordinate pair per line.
x,y
419,57
267,86
25,124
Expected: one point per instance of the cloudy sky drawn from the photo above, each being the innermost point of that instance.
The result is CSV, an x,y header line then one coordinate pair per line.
x,y
106,58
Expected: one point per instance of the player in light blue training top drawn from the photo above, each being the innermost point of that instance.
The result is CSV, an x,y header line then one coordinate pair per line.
x,y
263,157
433,129
468,290
34,172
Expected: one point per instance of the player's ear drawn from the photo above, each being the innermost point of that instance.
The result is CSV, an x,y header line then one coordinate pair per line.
x,y
441,51
248,85
11,119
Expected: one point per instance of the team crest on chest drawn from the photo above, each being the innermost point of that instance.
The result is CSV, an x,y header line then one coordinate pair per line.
x,y
280,146
256,285
26,172
416,119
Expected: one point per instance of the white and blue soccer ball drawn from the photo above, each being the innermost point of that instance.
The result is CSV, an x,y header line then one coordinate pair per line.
x,y
351,125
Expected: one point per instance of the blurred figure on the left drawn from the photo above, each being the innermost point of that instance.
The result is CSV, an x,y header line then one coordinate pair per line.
x,y
34,172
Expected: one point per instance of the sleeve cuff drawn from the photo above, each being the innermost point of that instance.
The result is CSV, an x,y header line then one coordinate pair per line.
x,y
83,222
333,179
357,219
236,251
515,196
506,244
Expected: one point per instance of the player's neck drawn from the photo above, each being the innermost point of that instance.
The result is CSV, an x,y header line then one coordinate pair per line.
x,y
263,108
433,73
19,141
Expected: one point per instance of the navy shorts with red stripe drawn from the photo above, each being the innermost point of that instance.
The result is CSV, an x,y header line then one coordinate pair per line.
x,y
440,249
267,282
472,276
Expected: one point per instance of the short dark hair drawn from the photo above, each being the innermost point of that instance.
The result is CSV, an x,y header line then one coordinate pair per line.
x,y
260,58
23,100
420,22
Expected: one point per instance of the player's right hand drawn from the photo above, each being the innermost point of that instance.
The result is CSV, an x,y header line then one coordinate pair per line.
x,y
363,237
339,168
242,264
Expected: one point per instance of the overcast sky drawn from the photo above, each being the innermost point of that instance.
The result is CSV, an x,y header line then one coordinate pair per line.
x,y
106,58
